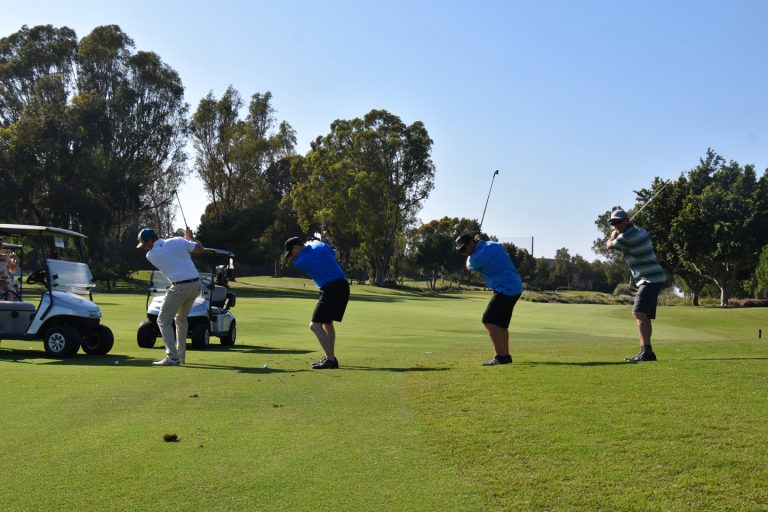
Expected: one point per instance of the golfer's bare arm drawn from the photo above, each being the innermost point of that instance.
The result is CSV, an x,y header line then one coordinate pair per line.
x,y
198,246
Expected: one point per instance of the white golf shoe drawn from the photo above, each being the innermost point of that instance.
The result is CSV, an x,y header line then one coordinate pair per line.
x,y
166,361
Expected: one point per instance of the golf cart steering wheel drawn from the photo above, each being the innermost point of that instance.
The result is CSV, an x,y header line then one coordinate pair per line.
x,y
14,294
38,276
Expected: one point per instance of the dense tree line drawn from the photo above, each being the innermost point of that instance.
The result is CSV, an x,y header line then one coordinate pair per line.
x,y
93,137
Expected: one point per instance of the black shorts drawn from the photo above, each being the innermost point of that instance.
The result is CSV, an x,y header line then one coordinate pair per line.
x,y
332,302
499,310
646,299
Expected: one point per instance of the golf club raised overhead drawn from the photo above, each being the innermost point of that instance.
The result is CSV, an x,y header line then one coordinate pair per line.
x,y
321,179
487,198
651,199
182,209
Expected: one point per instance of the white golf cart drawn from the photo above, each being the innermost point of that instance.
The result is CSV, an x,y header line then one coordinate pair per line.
x,y
64,319
210,314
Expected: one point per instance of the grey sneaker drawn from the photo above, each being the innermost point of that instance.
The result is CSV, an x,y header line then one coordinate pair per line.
x,y
166,361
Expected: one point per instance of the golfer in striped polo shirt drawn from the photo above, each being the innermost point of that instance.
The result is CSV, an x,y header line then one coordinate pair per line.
x,y
647,274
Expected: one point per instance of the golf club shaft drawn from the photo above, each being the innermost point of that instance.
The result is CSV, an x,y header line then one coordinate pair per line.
x,y
182,210
649,201
487,198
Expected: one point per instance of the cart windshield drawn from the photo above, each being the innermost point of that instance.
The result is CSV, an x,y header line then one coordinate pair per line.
x,y
70,276
158,283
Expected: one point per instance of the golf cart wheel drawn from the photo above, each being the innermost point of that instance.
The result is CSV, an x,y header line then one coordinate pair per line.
x,y
62,341
229,338
99,341
200,335
146,335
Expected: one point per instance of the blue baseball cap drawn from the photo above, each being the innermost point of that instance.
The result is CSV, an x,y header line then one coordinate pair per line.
x,y
145,235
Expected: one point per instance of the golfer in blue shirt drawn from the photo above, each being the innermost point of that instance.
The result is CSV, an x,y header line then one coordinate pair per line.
x,y
319,261
500,275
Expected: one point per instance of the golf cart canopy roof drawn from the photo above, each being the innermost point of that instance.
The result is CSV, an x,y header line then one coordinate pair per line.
x,y
23,229
218,252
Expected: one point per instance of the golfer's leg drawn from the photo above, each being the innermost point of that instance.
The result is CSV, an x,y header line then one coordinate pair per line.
x,y
165,321
330,332
322,337
182,325
499,338
644,328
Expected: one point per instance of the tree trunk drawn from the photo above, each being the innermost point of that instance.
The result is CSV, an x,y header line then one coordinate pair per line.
x,y
727,281
695,297
724,296
380,272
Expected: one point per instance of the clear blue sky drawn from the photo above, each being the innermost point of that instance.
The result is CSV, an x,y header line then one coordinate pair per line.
x,y
576,103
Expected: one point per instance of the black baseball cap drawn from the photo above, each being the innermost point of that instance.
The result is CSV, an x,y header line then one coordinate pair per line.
x,y
289,244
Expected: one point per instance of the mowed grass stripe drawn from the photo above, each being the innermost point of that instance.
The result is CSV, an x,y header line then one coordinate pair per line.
x,y
282,437
411,421
570,427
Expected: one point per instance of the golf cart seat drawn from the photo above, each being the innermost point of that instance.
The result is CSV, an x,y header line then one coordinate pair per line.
x,y
15,305
219,296
221,300
15,316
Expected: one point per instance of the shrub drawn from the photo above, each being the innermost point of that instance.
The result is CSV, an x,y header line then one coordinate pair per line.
x,y
623,289
749,303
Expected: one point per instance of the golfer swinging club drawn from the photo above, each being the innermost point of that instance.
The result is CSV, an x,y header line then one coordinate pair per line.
x,y
319,261
647,274
500,275
172,258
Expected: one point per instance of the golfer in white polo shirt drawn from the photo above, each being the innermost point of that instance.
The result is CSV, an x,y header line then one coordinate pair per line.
x,y
172,258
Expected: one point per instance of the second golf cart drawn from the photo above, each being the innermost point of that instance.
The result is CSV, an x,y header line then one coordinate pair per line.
x,y
211,313
65,320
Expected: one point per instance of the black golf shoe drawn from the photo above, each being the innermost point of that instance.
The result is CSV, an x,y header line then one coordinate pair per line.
x,y
325,364
642,356
498,360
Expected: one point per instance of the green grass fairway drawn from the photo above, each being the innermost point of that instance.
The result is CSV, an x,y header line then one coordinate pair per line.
x,y
411,422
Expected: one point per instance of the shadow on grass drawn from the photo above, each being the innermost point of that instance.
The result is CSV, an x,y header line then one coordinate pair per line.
x,y
127,361
255,349
395,370
241,369
21,356
575,363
